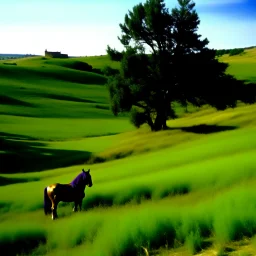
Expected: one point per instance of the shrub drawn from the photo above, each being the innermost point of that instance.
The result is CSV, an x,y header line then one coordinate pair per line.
x,y
108,71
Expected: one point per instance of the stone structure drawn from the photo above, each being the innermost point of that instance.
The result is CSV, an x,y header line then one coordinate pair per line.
x,y
55,54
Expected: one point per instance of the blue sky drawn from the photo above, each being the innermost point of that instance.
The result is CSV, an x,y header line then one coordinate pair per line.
x,y
83,27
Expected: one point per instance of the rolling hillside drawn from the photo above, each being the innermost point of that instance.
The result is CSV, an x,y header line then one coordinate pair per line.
x,y
188,190
43,100
242,66
34,89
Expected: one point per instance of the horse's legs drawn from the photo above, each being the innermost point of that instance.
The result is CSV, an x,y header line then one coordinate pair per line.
x,y
77,203
80,205
75,207
54,209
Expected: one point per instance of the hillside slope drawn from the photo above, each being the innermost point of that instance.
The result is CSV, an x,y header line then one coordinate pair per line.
x,y
242,66
37,87
187,190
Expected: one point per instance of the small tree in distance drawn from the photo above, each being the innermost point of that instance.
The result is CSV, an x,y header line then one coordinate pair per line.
x,y
166,61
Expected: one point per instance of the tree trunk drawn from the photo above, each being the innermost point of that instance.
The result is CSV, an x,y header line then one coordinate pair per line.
x,y
149,121
160,122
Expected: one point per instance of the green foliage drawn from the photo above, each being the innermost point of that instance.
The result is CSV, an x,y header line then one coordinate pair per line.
x,y
231,52
236,51
114,54
101,62
145,80
120,94
137,118
108,71
222,52
79,65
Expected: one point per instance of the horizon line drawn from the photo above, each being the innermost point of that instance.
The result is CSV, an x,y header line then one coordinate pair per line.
x,y
35,54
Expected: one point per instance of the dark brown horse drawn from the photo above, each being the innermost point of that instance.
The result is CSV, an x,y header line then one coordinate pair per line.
x,y
72,192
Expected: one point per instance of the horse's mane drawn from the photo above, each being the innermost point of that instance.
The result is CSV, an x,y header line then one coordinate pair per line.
x,y
77,182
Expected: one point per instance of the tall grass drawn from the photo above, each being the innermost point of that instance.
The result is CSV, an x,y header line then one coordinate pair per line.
x,y
20,237
218,212
124,231
234,212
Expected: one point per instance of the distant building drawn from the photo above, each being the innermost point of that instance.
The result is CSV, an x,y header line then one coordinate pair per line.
x,y
55,54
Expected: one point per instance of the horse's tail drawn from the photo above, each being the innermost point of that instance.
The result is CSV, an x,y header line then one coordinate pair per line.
x,y
47,202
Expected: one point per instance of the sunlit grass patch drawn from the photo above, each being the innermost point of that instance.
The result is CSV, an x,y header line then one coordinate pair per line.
x,y
188,128
64,128
242,66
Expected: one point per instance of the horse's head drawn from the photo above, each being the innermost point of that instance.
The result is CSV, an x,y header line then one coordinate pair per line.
x,y
87,178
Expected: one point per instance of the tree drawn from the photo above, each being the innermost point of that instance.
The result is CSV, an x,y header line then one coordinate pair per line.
x,y
114,54
166,61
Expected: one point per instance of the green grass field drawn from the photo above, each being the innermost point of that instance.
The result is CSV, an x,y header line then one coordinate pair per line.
x,y
242,66
188,190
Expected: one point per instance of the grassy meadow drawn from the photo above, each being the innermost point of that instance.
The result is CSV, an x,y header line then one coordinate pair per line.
x,y
243,65
189,190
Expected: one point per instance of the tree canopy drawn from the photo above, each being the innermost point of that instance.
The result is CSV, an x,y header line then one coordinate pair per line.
x,y
166,61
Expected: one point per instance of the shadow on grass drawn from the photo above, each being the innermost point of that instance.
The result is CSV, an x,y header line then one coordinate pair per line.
x,y
4,207
6,100
23,244
21,154
8,181
205,128
48,72
206,244
66,98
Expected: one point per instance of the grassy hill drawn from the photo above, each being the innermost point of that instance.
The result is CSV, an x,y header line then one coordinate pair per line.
x,y
242,66
38,89
188,190
46,100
